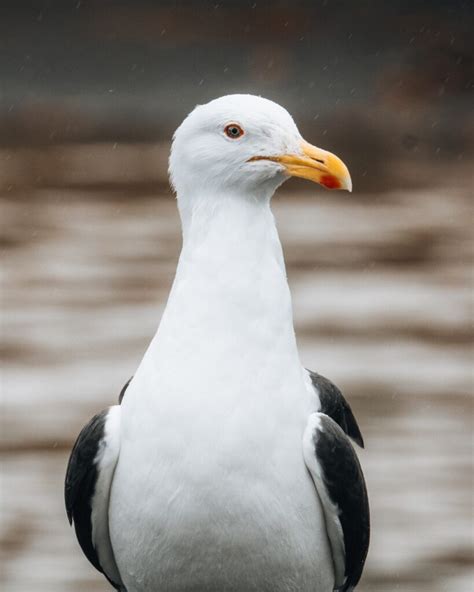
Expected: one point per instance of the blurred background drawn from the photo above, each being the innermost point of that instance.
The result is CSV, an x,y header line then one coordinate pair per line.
x,y
90,93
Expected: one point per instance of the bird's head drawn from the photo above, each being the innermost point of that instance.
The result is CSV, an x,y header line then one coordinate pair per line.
x,y
247,142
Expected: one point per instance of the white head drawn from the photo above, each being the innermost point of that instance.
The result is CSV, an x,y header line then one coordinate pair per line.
x,y
246,144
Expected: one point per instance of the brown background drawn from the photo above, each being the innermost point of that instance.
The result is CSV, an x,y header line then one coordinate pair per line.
x,y
90,92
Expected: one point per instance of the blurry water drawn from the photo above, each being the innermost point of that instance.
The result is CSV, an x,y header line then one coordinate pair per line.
x,y
381,296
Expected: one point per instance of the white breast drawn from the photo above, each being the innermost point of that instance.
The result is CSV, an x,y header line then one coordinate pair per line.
x,y
211,490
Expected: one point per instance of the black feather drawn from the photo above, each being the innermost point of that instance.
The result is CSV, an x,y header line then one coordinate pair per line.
x,y
80,484
81,479
124,388
335,405
345,484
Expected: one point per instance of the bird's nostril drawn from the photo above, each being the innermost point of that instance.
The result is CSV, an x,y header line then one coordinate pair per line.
x,y
319,160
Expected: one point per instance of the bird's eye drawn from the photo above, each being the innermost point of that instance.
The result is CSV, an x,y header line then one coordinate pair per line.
x,y
233,131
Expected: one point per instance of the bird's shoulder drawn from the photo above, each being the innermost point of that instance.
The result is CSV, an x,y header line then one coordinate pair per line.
x,y
334,404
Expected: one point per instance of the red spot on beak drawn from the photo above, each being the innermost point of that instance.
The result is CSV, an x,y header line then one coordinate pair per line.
x,y
330,182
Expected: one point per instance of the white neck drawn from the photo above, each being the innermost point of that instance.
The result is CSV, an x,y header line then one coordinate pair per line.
x,y
230,299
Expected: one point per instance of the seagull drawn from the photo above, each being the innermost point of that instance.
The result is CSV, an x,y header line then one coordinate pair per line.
x,y
226,466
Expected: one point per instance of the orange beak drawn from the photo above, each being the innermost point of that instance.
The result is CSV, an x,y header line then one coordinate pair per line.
x,y
314,164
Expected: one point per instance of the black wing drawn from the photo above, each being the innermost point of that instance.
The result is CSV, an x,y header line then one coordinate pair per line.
x,y
124,388
87,486
335,405
340,483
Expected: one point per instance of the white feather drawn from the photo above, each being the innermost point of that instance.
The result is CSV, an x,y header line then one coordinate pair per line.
x,y
106,460
211,489
331,510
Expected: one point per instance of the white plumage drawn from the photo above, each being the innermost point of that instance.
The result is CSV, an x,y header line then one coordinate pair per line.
x,y
211,491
